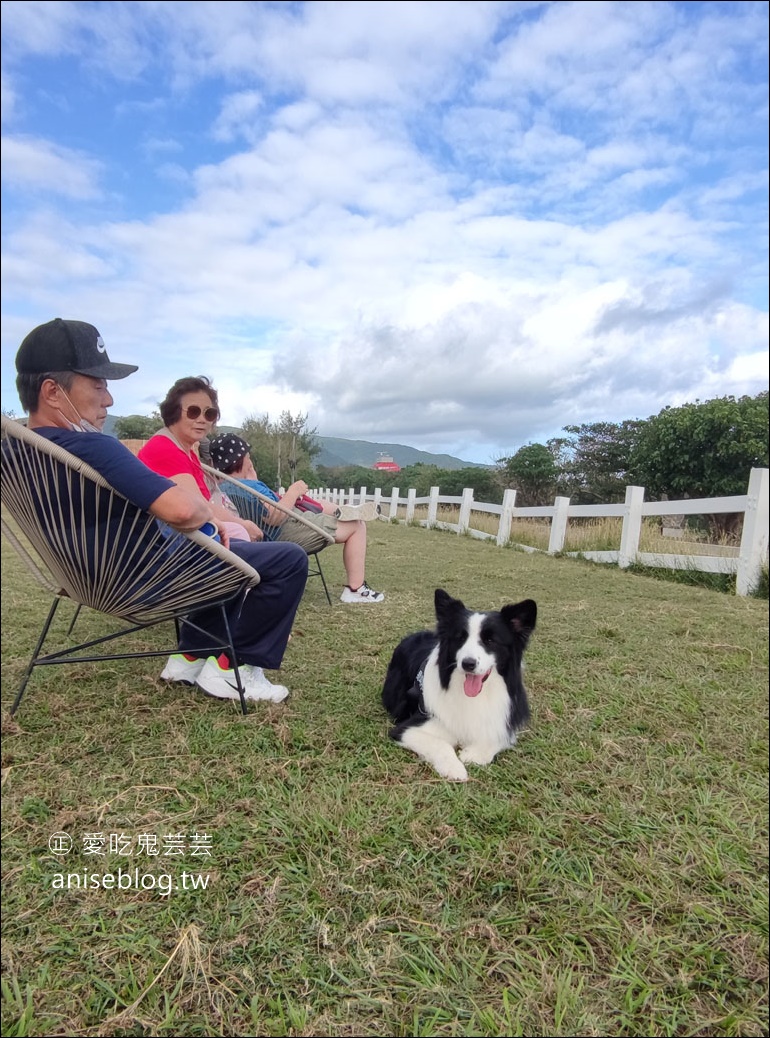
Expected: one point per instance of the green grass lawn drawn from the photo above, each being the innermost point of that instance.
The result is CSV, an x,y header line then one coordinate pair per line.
x,y
608,876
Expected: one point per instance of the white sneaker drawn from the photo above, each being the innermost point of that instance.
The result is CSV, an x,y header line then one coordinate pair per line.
x,y
218,682
179,668
362,594
367,511
258,687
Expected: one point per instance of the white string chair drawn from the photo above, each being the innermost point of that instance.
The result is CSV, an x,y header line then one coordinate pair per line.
x,y
82,540
253,505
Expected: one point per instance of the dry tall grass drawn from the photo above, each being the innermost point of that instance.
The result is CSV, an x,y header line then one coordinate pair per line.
x,y
600,534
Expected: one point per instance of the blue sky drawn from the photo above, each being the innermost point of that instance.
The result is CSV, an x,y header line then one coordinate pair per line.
x,y
457,225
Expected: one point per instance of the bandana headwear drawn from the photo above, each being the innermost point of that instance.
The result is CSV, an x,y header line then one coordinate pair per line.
x,y
227,450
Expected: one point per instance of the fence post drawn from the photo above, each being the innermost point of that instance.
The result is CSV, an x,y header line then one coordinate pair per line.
x,y
393,503
632,527
362,499
465,510
351,496
506,517
558,525
377,498
433,506
410,499
754,536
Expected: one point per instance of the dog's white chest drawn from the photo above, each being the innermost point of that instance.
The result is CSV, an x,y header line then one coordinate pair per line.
x,y
468,720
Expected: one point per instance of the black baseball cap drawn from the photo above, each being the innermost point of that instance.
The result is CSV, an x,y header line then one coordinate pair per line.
x,y
68,346
227,450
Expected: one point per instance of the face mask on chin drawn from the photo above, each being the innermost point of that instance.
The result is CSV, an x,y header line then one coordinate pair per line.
x,y
82,424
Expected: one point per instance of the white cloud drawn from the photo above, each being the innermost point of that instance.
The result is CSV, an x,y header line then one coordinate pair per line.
x,y
38,166
447,223
507,372
237,115
8,98
37,26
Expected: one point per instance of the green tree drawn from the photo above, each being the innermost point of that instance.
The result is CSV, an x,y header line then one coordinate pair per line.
x,y
482,480
420,477
137,426
704,449
282,451
596,461
257,431
342,477
533,472
296,447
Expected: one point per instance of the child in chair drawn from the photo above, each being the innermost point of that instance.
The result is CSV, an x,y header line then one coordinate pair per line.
x,y
231,455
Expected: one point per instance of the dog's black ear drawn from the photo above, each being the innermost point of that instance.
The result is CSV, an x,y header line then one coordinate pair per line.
x,y
444,602
522,617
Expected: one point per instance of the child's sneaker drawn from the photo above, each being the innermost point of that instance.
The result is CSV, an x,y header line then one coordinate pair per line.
x,y
361,594
367,511
182,668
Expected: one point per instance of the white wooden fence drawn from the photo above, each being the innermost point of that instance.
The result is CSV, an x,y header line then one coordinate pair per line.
x,y
746,566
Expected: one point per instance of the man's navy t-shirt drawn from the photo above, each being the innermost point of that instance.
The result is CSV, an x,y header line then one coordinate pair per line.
x,y
129,476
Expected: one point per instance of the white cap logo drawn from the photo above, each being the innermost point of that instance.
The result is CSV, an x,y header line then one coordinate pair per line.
x,y
100,345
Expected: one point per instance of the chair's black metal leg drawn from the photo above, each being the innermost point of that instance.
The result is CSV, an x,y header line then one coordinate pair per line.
x,y
323,579
234,661
35,654
228,646
74,618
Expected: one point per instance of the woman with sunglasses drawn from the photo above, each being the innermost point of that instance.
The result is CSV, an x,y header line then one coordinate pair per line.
x,y
264,624
189,411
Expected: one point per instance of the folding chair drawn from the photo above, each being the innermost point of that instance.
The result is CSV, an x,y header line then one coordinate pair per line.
x,y
82,540
253,505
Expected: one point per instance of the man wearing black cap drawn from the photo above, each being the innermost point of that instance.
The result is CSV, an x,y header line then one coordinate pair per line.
x,y
48,363
63,369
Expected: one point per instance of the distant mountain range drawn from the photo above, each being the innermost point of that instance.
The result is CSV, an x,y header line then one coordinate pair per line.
x,y
337,452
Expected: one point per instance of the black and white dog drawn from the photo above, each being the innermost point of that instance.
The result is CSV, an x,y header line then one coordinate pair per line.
x,y
460,685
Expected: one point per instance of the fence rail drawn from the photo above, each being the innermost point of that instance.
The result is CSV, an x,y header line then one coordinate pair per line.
x,y
746,565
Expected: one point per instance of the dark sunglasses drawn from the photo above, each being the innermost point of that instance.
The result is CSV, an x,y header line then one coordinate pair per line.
x,y
210,414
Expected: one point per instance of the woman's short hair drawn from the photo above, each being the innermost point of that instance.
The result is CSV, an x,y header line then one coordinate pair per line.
x,y
171,407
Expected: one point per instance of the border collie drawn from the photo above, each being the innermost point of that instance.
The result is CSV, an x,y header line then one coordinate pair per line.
x,y
460,685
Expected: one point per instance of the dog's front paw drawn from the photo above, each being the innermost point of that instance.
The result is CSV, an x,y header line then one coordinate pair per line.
x,y
477,754
453,770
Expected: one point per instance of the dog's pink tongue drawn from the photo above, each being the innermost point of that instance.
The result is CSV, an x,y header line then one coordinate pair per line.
x,y
473,683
